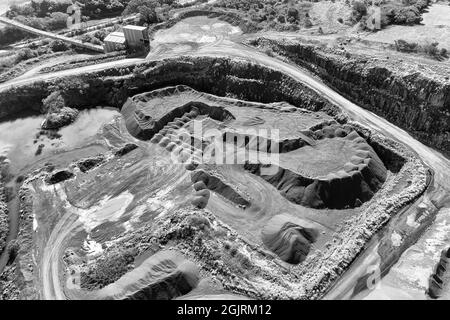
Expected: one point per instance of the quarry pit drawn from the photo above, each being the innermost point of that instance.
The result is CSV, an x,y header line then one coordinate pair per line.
x,y
208,227
164,200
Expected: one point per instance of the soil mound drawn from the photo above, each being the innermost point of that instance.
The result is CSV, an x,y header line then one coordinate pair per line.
x,y
349,185
214,183
290,239
144,122
163,276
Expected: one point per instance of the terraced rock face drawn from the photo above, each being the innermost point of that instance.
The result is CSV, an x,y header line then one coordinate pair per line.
x,y
145,114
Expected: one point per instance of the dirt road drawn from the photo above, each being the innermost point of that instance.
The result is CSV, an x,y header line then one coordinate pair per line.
x,y
63,73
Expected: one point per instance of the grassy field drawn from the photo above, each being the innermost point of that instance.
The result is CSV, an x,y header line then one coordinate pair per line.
x,y
435,27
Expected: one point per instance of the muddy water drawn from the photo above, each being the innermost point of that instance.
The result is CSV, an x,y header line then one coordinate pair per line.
x,y
18,145
18,142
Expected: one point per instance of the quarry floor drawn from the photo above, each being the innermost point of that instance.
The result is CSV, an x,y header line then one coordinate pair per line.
x,y
85,217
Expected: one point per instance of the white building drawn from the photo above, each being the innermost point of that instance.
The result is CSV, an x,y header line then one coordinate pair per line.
x,y
114,41
136,36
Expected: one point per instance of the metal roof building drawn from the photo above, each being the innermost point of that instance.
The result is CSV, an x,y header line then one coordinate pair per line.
x,y
114,41
136,36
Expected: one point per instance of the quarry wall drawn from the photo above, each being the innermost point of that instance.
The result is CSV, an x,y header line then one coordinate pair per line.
x,y
219,76
416,102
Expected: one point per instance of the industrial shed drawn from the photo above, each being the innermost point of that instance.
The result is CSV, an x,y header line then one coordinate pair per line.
x,y
115,41
136,36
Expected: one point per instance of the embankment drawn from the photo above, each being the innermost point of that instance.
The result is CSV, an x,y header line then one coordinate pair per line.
x,y
418,102
219,76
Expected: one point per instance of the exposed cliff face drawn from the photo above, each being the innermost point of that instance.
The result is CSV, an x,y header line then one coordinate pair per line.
x,y
219,76
417,102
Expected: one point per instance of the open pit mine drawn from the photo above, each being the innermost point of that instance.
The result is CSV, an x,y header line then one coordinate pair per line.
x,y
213,170
159,212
